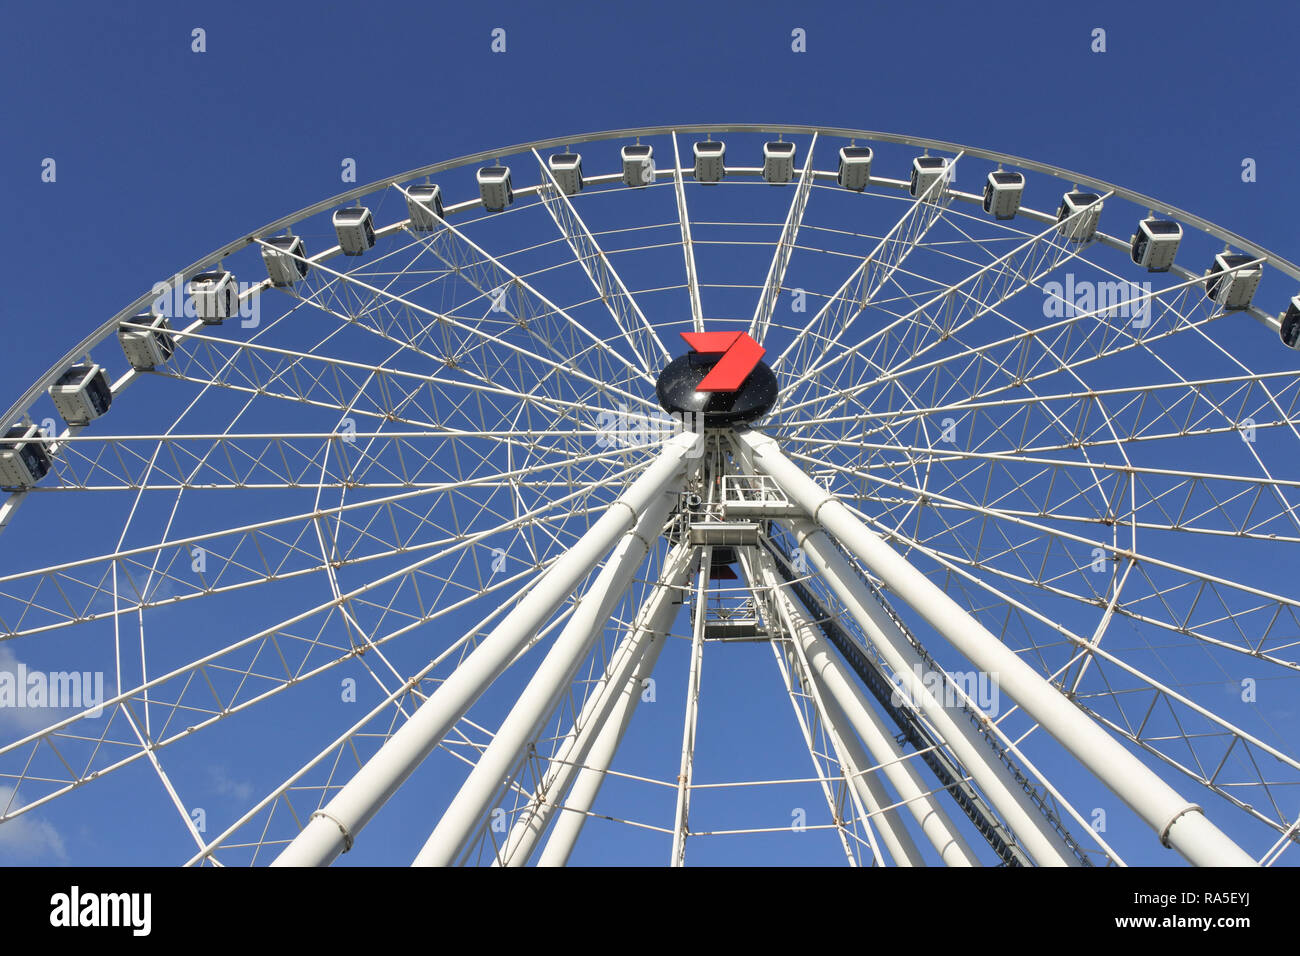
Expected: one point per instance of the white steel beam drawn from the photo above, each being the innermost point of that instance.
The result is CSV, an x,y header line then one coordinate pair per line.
x,y
856,292
334,827
1035,834
869,789
637,330
807,702
587,782
784,248
458,824
636,656
688,245
881,748
1179,823
793,680
644,639
681,827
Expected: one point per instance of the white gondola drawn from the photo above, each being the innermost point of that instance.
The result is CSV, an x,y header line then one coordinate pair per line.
x,y
638,165
778,162
1236,290
24,459
855,167
926,170
424,206
82,394
1290,324
1155,244
1083,227
494,187
356,230
215,295
710,161
1002,192
286,260
567,170
146,340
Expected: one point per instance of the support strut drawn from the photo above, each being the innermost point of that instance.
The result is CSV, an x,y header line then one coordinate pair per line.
x,y
1179,823
473,801
334,827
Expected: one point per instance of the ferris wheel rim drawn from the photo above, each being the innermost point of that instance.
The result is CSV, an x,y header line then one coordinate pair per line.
x,y
1288,268
677,170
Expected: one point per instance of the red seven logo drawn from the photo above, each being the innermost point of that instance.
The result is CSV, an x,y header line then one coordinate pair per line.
x,y
740,356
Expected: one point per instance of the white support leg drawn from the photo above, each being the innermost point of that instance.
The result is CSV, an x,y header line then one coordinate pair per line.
x,y
644,637
333,828
869,790
791,679
537,701
844,695
681,825
1179,823
586,785
1038,837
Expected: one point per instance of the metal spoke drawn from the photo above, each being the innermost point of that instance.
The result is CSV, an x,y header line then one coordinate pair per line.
x,y
772,285
424,438
688,247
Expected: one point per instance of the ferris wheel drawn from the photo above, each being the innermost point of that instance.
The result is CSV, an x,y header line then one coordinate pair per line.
x,y
678,494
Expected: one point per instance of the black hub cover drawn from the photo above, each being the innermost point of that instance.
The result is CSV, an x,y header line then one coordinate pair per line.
x,y
677,394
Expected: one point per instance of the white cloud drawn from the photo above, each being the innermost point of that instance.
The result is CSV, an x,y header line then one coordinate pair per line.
x,y
27,838
226,786
21,721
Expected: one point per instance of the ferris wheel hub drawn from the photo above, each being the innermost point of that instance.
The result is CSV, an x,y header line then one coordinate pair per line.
x,y
679,393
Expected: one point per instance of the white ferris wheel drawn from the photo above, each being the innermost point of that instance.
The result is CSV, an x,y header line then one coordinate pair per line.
x,y
679,494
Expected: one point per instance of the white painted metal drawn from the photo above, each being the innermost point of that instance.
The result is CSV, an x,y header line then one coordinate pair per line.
x,y
842,796
875,269
681,827
1179,823
332,829
637,330
870,789
688,246
474,800
775,280
492,278
881,748
586,785
429,410
285,222
1000,787
866,788
632,662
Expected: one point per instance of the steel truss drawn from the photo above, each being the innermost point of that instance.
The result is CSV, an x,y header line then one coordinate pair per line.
x,y
1007,809
427,434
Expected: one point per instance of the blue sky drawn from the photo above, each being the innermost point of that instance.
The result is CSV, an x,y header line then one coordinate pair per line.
x,y
163,154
